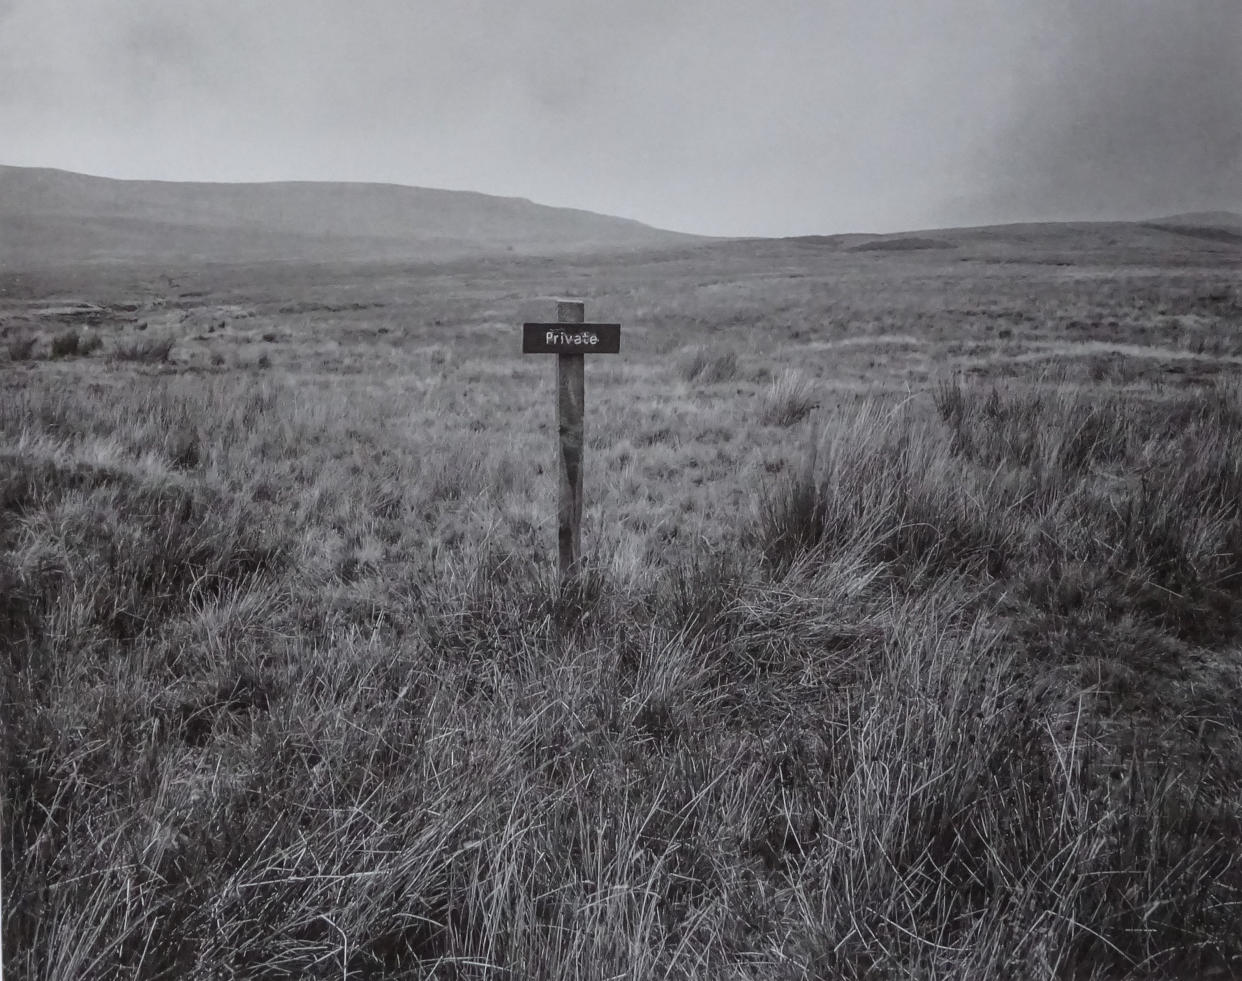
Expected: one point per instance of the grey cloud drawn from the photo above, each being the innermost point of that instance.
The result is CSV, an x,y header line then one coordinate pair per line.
x,y
720,116
1137,110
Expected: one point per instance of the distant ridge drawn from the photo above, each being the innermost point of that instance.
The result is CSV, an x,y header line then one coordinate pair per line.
x,y
50,217
1210,226
54,218
903,243
1216,231
1203,219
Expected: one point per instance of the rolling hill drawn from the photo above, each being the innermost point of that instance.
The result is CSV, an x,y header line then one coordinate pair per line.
x,y
1206,232
54,217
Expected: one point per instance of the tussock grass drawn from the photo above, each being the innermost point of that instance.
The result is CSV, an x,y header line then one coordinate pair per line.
x,y
701,365
144,350
71,343
1097,508
66,344
883,480
21,348
788,400
954,704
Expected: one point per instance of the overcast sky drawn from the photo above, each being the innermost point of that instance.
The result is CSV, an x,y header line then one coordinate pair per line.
x,y
765,117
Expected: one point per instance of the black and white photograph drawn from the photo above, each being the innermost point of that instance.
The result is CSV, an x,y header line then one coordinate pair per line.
x,y
621,491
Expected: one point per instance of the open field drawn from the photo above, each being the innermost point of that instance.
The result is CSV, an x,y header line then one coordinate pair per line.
x,y
910,643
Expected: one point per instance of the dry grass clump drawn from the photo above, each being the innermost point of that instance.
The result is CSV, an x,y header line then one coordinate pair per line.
x,y
884,480
144,350
104,549
702,365
858,741
72,343
21,347
1137,508
1101,507
66,344
789,399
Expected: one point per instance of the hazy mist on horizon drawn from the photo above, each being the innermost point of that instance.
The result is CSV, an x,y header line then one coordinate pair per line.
x,y
724,117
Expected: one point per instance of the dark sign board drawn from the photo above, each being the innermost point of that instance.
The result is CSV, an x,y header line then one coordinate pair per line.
x,y
571,338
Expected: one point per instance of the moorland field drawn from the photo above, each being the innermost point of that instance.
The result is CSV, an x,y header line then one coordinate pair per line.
x,y
908,645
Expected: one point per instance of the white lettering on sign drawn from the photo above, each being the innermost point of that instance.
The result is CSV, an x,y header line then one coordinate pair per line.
x,y
583,339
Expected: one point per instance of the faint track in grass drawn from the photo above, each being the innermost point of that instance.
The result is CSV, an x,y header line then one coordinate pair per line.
x,y
1043,349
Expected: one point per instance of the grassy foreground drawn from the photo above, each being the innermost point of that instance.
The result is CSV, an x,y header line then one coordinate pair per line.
x,y
958,698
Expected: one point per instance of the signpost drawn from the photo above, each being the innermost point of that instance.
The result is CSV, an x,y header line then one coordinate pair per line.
x,y
569,339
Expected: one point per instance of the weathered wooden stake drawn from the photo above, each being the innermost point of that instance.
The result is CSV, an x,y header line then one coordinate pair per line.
x,y
570,339
570,400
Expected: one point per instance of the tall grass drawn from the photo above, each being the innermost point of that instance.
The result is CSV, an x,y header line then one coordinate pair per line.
x,y
66,344
700,364
21,347
144,350
1102,508
956,704
788,400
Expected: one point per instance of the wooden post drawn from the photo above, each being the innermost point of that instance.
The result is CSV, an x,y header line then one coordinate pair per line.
x,y
570,338
570,400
